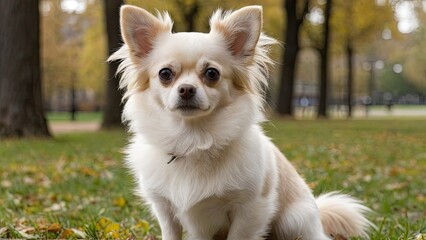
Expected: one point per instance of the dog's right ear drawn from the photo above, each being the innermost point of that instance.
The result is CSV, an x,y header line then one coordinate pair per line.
x,y
140,28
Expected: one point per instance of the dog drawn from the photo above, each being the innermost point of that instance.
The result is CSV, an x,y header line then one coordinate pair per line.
x,y
193,103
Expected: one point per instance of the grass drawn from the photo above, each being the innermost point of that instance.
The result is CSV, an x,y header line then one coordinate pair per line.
x,y
75,185
80,116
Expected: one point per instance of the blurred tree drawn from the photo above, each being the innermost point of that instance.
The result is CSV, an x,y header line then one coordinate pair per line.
x,y
355,24
317,32
92,66
193,15
112,107
324,63
294,21
396,83
21,108
189,10
62,46
415,56
54,77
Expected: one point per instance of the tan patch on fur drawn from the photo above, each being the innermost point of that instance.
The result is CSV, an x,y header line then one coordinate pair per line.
x,y
144,84
220,28
240,83
289,186
141,84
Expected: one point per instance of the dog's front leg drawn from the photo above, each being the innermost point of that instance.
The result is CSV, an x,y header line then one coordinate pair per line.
x,y
251,219
171,229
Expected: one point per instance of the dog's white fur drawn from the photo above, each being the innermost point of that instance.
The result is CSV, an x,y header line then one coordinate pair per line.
x,y
228,180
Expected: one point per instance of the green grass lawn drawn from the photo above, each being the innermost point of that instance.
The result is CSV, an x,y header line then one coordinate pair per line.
x,y
75,185
80,116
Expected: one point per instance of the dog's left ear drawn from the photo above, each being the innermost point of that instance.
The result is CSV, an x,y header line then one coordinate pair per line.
x,y
241,29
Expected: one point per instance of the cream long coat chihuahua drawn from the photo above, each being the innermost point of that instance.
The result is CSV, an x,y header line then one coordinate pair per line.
x,y
201,160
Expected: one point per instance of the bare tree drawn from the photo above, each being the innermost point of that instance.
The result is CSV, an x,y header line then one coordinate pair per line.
x,y
291,49
21,108
112,107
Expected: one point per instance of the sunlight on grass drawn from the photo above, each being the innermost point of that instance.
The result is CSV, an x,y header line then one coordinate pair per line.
x,y
75,186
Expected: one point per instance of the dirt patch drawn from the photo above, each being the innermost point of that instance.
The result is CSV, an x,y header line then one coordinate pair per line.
x,y
67,127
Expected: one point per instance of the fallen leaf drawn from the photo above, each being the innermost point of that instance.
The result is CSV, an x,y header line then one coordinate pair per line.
x,y
120,202
67,233
144,225
112,230
54,227
395,186
6,183
395,171
421,198
56,207
421,236
89,172
108,227
102,223
28,180
367,178
26,235
313,185
79,233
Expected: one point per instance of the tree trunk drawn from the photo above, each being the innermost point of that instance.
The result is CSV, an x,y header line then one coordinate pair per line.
x,y
189,12
190,17
349,86
285,98
291,49
322,108
21,106
112,107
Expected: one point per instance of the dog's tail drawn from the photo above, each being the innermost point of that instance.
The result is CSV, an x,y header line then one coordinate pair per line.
x,y
343,216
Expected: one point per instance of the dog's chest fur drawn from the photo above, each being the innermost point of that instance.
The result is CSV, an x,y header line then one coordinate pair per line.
x,y
191,179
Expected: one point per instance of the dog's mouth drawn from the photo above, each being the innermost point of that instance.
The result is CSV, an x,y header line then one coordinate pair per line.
x,y
189,108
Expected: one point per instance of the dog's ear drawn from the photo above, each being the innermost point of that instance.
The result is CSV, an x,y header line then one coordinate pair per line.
x,y
139,29
241,29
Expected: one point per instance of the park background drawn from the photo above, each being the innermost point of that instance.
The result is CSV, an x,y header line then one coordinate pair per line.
x,y
346,103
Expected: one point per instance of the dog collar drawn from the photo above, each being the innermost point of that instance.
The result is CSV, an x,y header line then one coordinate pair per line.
x,y
173,158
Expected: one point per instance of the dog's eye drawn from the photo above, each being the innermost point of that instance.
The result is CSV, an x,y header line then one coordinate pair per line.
x,y
165,74
211,74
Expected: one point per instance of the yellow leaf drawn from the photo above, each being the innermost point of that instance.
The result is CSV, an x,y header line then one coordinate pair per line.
x,y
120,202
108,228
102,223
112,227
143,224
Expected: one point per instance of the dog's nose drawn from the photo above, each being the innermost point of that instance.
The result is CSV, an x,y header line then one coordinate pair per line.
x,y
186,91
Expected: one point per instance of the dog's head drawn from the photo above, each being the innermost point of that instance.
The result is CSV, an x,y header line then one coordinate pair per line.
x,y
193,74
